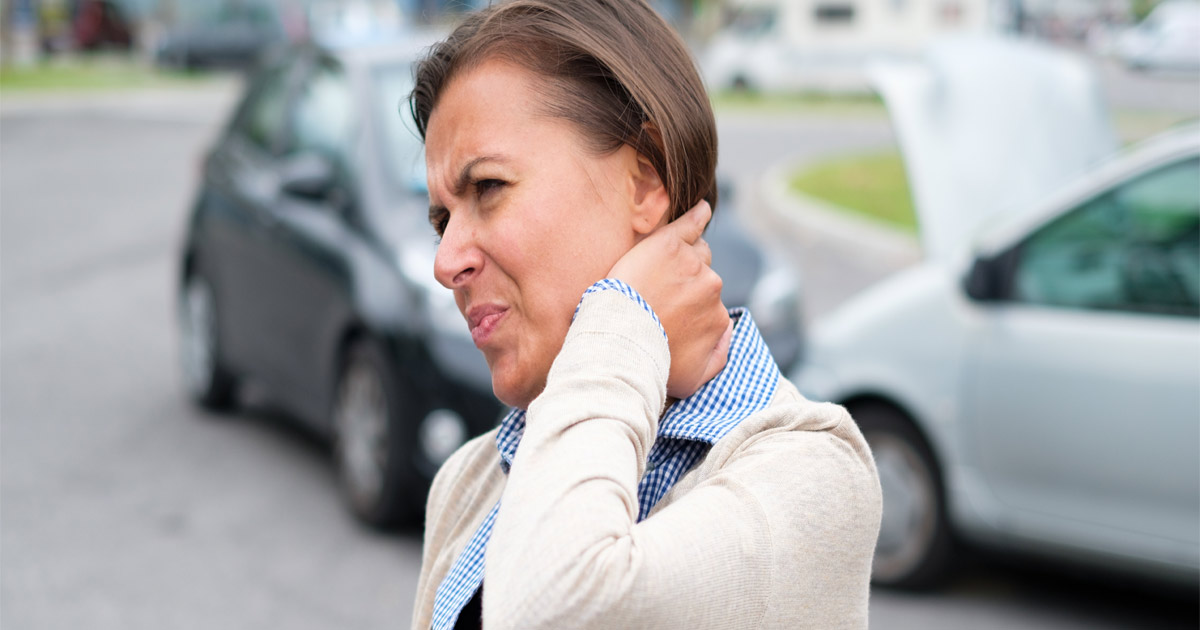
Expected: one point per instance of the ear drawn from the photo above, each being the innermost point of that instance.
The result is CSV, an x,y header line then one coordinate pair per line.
x,y
650,200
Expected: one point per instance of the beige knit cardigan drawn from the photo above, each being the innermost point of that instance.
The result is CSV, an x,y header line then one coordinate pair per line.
x,y
774,528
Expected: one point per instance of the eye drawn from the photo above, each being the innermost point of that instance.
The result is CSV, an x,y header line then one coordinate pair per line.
x,y
439,219
485,186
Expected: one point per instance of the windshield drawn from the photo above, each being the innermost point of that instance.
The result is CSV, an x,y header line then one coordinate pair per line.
x,y
403,153
750,22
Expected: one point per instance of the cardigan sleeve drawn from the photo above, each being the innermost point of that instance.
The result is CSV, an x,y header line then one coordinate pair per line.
x,y
778,533
567,550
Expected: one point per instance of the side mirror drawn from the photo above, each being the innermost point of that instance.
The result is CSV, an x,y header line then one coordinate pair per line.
x,y
982,282
309,176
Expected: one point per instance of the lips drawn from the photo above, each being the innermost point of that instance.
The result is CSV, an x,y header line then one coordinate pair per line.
x,y
483,320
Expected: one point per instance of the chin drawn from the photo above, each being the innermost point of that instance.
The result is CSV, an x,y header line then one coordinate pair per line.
x,y
514,392
510,396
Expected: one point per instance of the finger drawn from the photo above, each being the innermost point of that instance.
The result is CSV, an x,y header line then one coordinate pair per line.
x,y
691,225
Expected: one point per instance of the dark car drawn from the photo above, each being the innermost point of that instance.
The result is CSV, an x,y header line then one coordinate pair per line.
x,y
234,38
307,267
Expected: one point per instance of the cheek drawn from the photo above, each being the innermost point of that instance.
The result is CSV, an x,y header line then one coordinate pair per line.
x,y
557,241
536,232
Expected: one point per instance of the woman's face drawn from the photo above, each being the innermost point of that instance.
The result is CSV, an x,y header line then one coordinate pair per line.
x,y
529,219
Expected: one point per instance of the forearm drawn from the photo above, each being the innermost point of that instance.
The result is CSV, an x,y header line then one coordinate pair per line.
x,y
570,505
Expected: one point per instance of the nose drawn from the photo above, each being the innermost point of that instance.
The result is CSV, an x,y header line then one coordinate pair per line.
x,y
459,257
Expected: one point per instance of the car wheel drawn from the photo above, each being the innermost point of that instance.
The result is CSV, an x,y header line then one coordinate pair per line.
x,y
207,380
373,438
915,543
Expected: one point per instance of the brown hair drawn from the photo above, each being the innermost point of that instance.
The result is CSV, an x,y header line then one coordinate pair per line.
x,y
614,68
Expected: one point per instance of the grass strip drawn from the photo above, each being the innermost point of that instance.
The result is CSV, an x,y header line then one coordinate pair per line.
x,y
87,73
803,103
873,185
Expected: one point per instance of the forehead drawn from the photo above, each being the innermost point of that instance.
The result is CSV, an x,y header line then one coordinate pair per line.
x,y
482,106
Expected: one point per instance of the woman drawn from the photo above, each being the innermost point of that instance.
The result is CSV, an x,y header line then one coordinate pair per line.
x,y
656,471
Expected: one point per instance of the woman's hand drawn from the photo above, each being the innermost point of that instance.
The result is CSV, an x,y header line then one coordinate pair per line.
x,y
671,269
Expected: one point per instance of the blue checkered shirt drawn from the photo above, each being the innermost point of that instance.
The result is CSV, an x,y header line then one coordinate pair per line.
x,y
690,427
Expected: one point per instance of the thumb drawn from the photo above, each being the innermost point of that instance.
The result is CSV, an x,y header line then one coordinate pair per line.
x,y
691,225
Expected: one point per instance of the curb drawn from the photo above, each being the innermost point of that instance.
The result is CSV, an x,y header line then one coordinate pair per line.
x,y
807,219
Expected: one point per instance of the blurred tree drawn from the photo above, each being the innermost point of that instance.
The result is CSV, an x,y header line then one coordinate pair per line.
x,y
1142,8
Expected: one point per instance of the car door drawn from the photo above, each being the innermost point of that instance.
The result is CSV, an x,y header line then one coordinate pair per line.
x,y
243,186
1083,404
305,250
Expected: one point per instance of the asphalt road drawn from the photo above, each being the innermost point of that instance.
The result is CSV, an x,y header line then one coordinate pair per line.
x,y
123,507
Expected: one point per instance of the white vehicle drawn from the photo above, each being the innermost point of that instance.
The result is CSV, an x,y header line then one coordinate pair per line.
x,y
1167,40
826,45
1034,384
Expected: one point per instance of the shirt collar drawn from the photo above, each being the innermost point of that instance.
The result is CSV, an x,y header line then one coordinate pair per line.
x,y
745,386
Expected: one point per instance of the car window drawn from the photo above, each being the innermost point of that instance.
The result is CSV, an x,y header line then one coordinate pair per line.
x,y
255,14
322,121
1135,248
833,13
262,117
751,22
403,151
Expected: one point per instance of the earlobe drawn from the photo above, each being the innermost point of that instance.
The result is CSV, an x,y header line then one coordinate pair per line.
x,y
650,199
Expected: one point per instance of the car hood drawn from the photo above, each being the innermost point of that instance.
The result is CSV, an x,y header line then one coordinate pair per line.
x,y
990,124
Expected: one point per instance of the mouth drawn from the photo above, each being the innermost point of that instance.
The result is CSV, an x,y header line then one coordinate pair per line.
x,y
483,321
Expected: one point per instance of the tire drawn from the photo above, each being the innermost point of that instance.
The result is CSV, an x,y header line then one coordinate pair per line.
x,y
915,544
374,439
209,383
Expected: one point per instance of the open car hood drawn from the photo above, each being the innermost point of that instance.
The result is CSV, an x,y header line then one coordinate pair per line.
x,y
990,124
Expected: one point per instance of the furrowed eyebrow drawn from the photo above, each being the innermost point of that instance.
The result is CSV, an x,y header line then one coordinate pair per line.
x,y
464,175
461,183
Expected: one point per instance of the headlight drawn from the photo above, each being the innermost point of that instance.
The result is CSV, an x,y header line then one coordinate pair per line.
x,y
448,339
444,317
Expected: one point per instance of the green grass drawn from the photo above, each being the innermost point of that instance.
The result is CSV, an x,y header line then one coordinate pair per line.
x,y
873,185
1134,125
804,103
88,73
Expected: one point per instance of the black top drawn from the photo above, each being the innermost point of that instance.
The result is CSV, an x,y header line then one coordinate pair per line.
x,y
471,617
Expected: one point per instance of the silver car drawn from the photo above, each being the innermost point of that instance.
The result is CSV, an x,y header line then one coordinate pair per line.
x,y
1034,383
